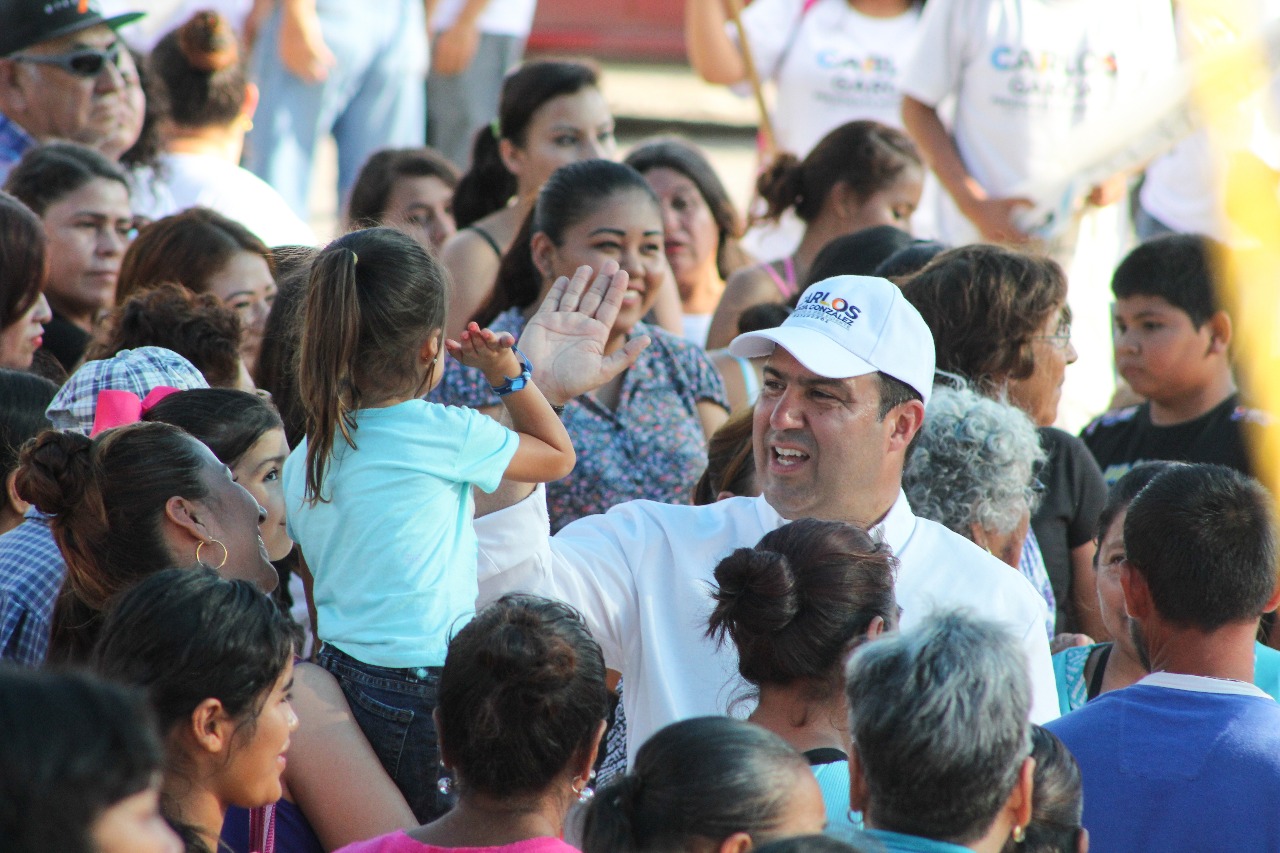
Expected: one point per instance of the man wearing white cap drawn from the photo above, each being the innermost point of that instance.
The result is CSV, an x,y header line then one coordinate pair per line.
x,y
844,391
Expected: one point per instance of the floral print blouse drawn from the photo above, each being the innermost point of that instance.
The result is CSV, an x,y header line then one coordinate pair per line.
x,y
652,446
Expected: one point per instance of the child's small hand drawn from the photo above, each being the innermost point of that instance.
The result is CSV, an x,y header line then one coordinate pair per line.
x,y
488,351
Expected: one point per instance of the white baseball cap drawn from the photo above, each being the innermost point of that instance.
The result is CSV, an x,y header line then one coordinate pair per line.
x,y
852,325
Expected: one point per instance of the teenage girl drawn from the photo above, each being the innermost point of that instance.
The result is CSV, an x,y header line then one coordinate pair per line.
x,y
215,658
860,175
551,113
378,495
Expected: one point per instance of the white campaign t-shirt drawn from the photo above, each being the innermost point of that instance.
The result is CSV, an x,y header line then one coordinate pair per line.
x,y
499,18
840,65
201,180
1024,72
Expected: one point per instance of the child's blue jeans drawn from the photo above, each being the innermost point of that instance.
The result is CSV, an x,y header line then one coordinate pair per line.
x,y
393,708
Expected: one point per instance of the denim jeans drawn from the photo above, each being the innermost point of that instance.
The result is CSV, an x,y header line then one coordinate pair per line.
x,y
393,708
373,97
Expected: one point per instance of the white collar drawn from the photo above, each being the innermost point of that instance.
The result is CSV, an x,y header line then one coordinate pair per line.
x,y
1202,684
895,528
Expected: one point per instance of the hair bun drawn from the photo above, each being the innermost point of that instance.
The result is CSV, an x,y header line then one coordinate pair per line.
x,y
208,42
55,470
522,655
757,594
781,184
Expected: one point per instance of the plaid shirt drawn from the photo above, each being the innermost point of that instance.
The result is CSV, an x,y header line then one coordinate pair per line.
x,y
14,142
31,574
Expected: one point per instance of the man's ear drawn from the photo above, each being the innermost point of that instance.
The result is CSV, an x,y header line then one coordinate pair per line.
x,y
14,99
739,842
15,501
1219,332
906,420
1137,594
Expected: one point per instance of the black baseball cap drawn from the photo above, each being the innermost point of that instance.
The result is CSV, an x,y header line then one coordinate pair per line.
x,y
30,22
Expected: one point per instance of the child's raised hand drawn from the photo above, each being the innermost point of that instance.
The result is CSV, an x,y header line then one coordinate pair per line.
x,y
488,351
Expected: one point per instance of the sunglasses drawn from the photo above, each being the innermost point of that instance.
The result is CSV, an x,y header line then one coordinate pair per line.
x,y
87,62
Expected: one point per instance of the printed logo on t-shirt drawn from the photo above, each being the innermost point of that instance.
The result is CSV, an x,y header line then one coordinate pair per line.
x,y
821,306
1036,79
870,76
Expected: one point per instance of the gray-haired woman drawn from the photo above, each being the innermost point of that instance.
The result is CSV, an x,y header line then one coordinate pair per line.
x,y
973,470
952,695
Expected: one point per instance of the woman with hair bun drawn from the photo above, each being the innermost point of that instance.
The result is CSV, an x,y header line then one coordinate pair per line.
x,y
795,606
551,113
129,503
705,784
215,659
207,105
860,175
521,713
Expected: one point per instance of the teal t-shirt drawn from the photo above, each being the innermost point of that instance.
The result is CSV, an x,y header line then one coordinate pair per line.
x,y
392,548
1073,692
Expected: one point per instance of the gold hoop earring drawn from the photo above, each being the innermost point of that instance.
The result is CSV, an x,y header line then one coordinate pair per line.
x,y
220,545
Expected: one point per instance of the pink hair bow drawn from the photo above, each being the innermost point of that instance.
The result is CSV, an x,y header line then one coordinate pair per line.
x,y
121,408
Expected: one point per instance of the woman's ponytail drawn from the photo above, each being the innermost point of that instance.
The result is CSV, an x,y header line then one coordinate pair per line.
x,y
487,186
610,822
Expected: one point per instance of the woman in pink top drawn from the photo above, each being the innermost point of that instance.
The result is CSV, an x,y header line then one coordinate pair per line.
x,y
520,716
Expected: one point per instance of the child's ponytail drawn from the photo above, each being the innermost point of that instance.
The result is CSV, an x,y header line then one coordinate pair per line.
x,y
330,338
376,298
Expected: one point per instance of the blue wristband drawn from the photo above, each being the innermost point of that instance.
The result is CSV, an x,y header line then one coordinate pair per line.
x,y
514,384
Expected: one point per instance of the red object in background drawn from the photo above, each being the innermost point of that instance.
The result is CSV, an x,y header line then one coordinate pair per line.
x,y
610,29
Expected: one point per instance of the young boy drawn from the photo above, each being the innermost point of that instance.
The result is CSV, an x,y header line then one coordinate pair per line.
x,y
1171,345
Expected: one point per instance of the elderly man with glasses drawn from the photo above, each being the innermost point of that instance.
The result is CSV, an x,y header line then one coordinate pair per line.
x,y
63,73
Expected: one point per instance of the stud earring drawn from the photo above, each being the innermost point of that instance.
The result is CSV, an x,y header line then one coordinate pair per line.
x,y
586,792
445,783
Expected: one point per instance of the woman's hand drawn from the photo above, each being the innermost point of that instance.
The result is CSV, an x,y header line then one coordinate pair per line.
x,y
565,340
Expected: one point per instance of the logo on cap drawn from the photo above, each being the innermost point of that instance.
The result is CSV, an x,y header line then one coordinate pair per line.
x,y
820,302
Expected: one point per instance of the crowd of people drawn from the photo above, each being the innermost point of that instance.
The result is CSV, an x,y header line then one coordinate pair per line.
x,y
558,505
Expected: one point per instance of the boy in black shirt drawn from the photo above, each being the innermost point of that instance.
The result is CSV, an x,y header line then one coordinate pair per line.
x,y
1171,345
